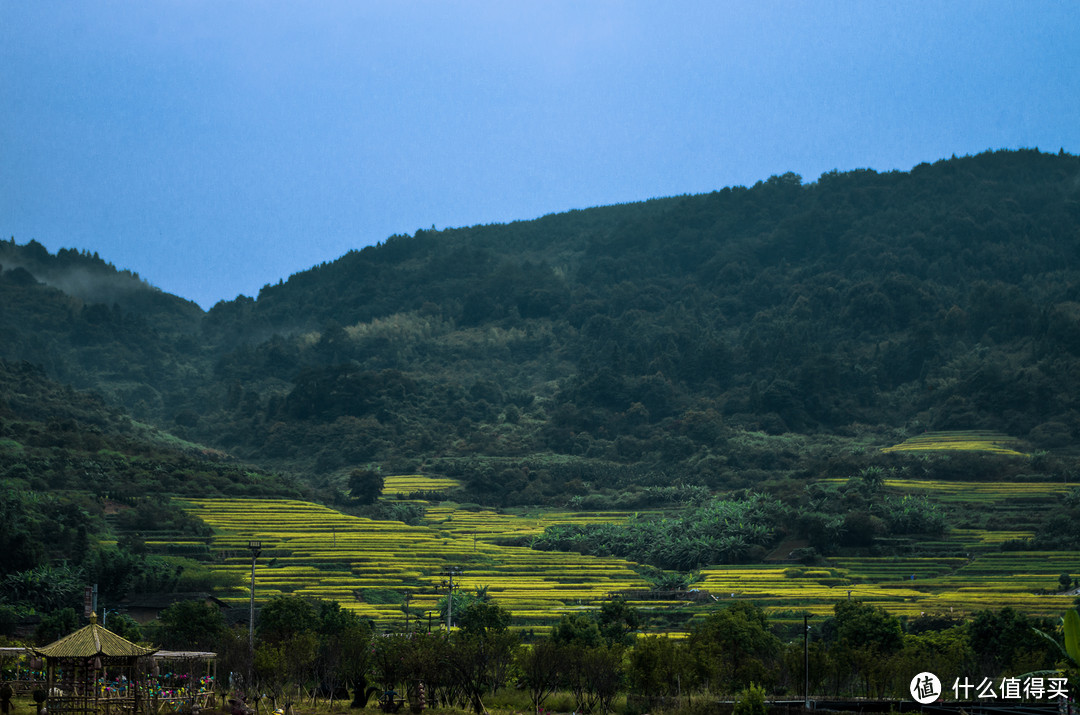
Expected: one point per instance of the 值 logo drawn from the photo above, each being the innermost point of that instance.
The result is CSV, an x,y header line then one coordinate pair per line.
x,y
925,688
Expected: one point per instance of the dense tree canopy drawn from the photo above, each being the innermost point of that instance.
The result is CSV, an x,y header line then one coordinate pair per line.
x,y
627,339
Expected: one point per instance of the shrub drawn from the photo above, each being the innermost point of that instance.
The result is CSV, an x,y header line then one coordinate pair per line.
x,y
750,701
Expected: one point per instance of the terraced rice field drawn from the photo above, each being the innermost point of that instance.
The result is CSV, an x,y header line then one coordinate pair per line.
x,y
904,586
368,566
1012,503
410,483
967,441
980,538
981,492
493,524
315,551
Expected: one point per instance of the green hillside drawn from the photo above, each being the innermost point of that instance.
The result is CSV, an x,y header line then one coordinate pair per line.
x,y
623,340
790,343
84,486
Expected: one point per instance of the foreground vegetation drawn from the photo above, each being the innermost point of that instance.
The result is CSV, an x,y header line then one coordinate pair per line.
x,y
308,648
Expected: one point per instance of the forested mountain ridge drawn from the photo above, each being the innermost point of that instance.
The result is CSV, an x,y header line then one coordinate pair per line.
x,y
90,280
83,484
641,343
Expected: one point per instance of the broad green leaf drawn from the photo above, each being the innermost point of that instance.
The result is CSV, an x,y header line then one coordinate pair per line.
x,y
1072,634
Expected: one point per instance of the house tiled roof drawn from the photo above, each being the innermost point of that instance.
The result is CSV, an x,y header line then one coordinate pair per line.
x,y
164,600
90,641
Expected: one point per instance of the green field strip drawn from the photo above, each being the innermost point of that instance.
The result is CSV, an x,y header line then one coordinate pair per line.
x,y
1049,562
1025,493
896,568
982,537
175,542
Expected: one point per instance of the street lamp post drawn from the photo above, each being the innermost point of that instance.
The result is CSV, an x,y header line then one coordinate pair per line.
x,y
255,547
806,658
449,585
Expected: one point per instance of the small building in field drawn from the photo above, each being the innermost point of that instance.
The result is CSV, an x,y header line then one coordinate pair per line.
x,y
145,607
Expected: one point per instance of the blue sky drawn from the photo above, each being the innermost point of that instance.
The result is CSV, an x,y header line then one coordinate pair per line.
x,y
214,147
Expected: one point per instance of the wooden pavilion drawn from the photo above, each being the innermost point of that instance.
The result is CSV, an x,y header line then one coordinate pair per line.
x,y
92,671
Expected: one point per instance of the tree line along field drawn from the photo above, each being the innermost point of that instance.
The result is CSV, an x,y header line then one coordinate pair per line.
x,y
371,567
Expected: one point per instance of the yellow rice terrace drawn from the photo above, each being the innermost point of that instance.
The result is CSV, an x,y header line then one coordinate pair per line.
x,y
369,566
381,569
958,441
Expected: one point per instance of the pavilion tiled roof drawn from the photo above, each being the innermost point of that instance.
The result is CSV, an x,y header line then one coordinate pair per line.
x,y
90,641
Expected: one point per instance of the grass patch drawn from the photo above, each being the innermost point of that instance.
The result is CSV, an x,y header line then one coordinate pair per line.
x,y
381,596
10,446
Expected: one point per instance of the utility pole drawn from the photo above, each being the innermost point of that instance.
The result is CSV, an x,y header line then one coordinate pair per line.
x,y
255,547
408,594
806,658
448,584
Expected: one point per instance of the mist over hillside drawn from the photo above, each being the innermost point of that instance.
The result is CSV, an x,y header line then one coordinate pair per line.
x,y
711,339
88,278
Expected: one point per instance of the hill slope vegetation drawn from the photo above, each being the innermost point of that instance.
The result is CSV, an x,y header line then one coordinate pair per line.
x,y
616,344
